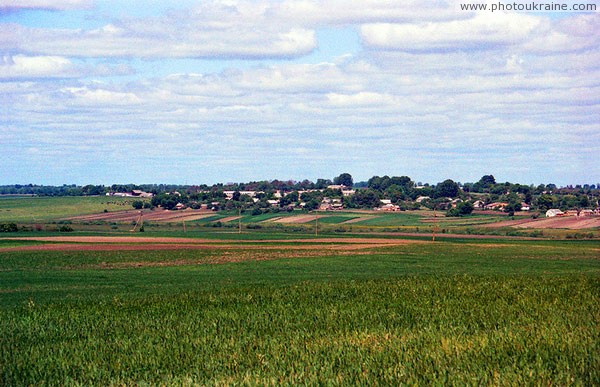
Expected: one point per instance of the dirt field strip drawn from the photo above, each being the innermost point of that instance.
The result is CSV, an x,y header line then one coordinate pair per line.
x,y
75,243
571,222
152,216
114,239
140,240
174,246
298,219
272,219
228,219
356,220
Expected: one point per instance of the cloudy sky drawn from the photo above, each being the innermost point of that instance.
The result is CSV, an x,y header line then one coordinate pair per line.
x,y
194,92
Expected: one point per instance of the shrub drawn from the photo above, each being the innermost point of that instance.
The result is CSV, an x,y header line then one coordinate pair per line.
x,y
8,227
65,228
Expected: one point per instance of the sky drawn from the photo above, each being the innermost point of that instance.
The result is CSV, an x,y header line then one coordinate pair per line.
x,y
201,92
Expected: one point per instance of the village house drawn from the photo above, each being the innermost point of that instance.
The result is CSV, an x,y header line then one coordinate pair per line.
x,y
551,213
478,205
331,204
229,194
136,193
389,207
496,206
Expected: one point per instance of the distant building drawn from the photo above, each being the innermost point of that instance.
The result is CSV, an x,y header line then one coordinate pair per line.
x,y
478,205
551,213
131,194
497,206
389,207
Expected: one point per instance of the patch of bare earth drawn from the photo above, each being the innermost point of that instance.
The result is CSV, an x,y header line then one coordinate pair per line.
x,y
147,215
91,243
569,222
297,219
229,219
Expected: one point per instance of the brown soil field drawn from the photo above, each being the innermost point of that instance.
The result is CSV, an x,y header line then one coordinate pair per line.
x,y
148,215
229,219
272,219
567,222
318,246
139,240
297,219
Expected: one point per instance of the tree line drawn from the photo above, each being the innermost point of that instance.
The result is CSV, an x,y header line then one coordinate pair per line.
x,y
400,190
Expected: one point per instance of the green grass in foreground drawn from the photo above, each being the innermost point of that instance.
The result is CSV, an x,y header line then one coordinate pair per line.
x,y
446,313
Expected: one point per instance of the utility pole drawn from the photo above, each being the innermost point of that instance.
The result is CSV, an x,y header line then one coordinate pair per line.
x,y
239,220
316,223
434,223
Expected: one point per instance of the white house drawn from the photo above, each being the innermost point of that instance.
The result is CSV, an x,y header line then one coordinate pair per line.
x,y
478,204
551,213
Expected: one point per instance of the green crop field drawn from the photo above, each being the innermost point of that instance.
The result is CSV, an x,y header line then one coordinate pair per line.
x,y
393,219
262,217
336,219
461,311
43,209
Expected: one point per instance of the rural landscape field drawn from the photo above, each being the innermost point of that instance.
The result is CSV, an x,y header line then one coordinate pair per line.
x,y
220,298
299,192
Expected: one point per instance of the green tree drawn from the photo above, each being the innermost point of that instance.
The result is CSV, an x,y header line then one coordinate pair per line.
x,y
546,202
487,181
447,188
344,179
461,209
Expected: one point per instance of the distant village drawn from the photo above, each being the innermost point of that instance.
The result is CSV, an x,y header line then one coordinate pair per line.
x,y
388,194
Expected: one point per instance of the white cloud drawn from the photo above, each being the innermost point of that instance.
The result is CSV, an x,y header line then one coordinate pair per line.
x,y
100,97
483,31
35,66
45,66
213,30
493,86
344,12
44,4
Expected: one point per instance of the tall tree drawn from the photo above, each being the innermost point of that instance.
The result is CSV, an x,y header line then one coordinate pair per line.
x,y
344,179
447,188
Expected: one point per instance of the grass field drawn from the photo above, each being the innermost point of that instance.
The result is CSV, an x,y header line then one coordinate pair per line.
x,y
393,219
453,312
44,209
